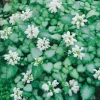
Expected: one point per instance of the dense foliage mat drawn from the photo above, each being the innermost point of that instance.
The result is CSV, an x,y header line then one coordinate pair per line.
x,y
49,49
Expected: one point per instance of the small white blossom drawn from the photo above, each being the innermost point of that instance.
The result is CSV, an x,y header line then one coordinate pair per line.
x,y
38,61
43,44
5,33
78,52
32,32
73,87
13,17
79,20
55,5
26,14
12,57
27,76
17,94
45,87
69,39
97,74
49,94
50,88
55,83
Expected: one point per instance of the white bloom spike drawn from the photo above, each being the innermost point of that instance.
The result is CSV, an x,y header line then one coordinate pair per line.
x,y
97,74
79,20
55,5
32,32
12,57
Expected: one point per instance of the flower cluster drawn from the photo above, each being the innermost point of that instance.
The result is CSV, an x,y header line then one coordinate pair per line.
x,y
38,61
32,32
26,14
69,39
97,74
79,20
17,94
27,76
77,52
43,44
13,18
5,33
12,57
50,88
73,87
54,5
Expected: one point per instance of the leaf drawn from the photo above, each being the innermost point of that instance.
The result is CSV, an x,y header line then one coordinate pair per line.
x,y
66,89
73,97
23,27
51,28
81,68
32,1
67,62
87,91
58,96
49,53
2,47
11,71
66,19
35,52
76,5
58,65
14,37
98,26
7,7
57,76
36,71
74,74
92,13
48,67
24,2
40,1
56,37
20,84
28,88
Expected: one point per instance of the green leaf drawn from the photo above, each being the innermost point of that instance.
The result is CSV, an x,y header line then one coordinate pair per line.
x,y
35,52
48,67
66,89
40,1
14,1
73,97
56,37
58,65
92,13
51,28
87,91
32,1
36,71
74,74
57,76
25,48
76,5
90,67
2,47
98,26
66,19
67,62
20,84
14,37
30,58
49,53
60,51
24,2
81,68
7,7
58,96
23,27
28,88
11,71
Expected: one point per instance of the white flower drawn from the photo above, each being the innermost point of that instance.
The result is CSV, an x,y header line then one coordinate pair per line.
x,y
43,44
38,61
5,33
27,76
97,74
57,90
55,83
54,6
73,87
50,88
26,14
32,32
79,20
17,94
45,87
77,52
49,94
13,17
69,39
12,57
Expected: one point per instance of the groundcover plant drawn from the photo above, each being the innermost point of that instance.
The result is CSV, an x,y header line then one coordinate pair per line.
x,y
49,50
